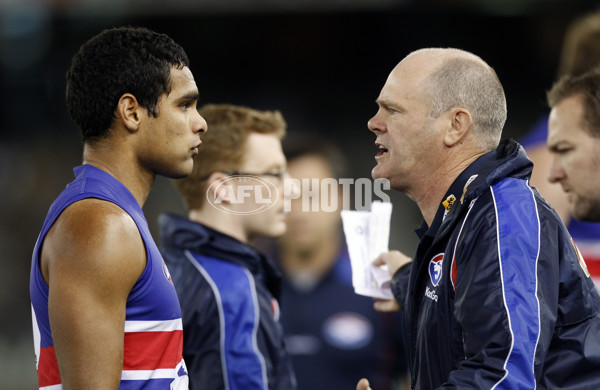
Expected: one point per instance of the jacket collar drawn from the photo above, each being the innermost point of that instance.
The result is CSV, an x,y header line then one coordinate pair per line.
x,y
508,160
181,233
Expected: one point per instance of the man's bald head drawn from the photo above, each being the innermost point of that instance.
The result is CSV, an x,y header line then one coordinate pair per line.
x,y
456,78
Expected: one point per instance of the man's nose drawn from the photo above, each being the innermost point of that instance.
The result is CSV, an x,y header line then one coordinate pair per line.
x,y
200,125
375,124
556,172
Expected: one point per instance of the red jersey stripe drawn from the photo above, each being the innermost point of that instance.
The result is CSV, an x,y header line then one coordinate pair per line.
x,y
592,260
590,251
48,373
152,350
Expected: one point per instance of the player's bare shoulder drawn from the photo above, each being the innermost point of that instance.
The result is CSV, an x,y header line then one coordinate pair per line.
x,y
93,237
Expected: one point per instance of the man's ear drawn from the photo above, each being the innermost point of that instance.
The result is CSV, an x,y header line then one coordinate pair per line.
x,y
129,112
460,123
218,190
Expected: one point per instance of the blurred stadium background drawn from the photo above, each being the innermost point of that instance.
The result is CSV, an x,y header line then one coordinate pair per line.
x,y
321,62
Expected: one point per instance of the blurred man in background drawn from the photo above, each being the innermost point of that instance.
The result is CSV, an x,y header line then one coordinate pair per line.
x,y
229,291
574,142
580,53
333,335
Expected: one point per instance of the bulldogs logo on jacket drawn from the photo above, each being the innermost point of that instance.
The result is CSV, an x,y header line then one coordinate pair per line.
x,y
435,268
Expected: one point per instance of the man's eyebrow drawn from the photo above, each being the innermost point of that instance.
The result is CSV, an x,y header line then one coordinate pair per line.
x,y
190,96
387,104
555,145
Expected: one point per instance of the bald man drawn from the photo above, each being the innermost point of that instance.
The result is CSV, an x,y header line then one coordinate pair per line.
x,y
497,295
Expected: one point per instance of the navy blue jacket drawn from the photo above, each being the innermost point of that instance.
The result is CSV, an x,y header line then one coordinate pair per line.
x,y
497,296
229,294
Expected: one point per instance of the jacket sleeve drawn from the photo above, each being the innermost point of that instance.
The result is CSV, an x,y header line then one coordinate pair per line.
x,y
221,321
399,284
201,328
496,305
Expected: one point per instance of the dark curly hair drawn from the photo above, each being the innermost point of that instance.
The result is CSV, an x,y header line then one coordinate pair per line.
x,y
120,60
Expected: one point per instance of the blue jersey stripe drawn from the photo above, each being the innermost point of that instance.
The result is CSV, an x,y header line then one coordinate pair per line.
x,y
240,320
148,384
518,230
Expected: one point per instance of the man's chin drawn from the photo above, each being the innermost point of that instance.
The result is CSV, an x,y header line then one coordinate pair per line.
x,y
587,213
377,174
275,231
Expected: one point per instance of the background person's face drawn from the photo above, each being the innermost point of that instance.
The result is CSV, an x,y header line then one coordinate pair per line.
x,y
576,158
263,153
308,227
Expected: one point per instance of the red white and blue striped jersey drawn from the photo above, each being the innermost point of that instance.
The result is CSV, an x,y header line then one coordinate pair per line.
x,y
153,338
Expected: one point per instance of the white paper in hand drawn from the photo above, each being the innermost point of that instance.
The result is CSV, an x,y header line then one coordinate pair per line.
x,y
367,236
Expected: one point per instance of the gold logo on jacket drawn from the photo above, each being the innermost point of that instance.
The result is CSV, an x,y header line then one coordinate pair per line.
x,y
449,202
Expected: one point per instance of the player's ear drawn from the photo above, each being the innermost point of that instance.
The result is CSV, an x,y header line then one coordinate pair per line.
x,y
129,111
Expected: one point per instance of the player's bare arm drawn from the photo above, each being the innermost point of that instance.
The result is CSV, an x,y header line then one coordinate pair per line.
x,y
91,258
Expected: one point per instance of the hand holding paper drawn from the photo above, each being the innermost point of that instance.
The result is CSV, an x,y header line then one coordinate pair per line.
x,y
367,235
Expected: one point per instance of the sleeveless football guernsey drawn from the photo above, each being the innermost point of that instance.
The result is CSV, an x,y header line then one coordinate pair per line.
x,y
153,329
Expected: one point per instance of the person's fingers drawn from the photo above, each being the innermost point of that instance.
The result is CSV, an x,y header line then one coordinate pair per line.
x,y
363,384
380,260
394,260
386,305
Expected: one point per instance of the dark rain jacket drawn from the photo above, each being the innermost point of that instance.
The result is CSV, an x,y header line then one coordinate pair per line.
x,y
229,294
498,296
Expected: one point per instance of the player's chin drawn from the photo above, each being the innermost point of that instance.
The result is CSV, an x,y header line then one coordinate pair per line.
x,y
188,169
180,171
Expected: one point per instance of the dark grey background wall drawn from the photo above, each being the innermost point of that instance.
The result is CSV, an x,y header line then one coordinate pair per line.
x,y
321,63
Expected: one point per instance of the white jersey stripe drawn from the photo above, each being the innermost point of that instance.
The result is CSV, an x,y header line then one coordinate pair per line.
x,y
53,387
161,373
36,337
153,326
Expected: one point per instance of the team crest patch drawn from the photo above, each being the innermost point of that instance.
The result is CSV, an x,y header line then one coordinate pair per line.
x,y
435,268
